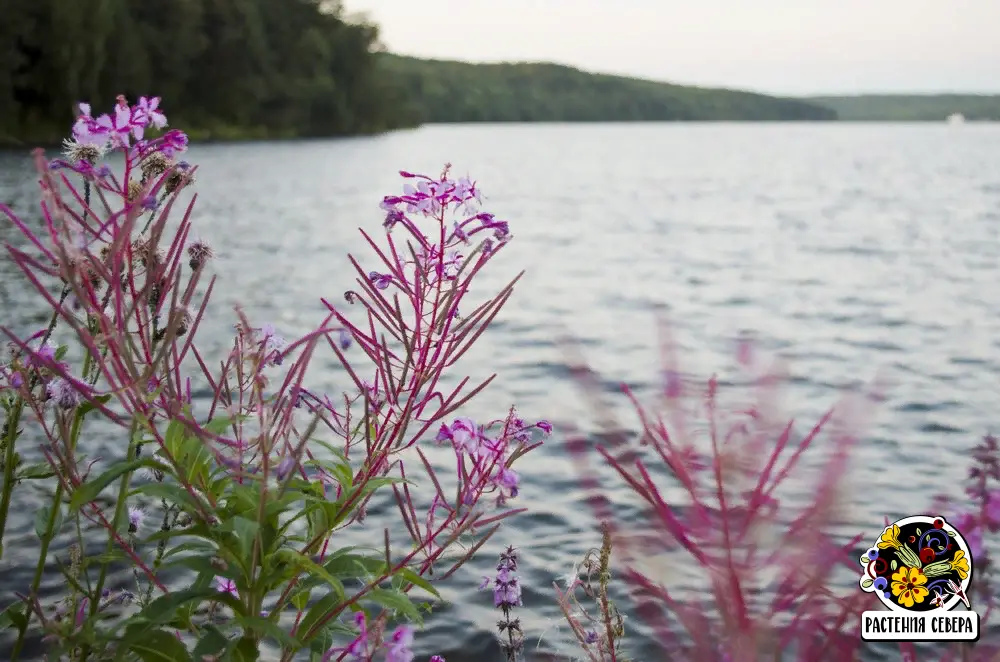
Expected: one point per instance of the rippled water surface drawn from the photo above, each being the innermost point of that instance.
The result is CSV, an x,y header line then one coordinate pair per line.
x,y
852,250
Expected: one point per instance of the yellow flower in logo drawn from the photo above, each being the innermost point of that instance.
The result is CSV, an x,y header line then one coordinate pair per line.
x,y
908,586
889,538
960,564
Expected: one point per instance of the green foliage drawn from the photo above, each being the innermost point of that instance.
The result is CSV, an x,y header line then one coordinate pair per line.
x,y
259,535
912,108
448,91
228,68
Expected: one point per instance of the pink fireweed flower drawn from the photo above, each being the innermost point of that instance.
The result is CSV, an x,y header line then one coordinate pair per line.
x,y
452,264
119,125
459,233
147,112
462,433
45,354
86,131
507,480
392,217
381,281
398,649
172,143
358,648
224,585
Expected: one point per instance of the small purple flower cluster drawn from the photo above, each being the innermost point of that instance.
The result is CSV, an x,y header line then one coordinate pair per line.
x,y
125,122
431,198
490,458
365,646
507,595
28,367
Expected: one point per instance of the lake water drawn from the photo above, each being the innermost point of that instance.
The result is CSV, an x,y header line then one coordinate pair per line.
x,y
849,249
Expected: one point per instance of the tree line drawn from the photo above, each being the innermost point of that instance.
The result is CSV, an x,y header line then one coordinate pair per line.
x,y
913,107
225,68
451,91
288,68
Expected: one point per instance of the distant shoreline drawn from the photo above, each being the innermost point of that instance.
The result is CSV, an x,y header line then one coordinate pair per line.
x,y
9,143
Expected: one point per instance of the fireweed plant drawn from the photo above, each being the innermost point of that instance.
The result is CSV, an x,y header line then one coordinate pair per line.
x,y
707,474
764,567
598,627
233,522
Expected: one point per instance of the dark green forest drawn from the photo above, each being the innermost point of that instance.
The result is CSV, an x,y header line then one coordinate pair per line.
x,y
450,91
912,108
224,68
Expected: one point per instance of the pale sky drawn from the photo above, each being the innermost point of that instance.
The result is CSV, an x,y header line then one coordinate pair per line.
x,y
778,46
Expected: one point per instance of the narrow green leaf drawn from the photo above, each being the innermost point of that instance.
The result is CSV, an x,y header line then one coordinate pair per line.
x,y
220,424
245,531
345,565
42,522
306,564
301,599
88,407
411,577
373,484
13,616
212,642
38,471
342,472
396,601
246,651
173,438
160,646
172,493
163,609
196,460
323,607
89,490
268,628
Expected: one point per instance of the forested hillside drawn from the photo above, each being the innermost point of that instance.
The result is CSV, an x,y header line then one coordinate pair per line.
x,y
449,91
228,67
283,68
912,107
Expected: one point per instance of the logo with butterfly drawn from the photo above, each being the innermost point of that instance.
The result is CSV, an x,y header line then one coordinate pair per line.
x,y
920,568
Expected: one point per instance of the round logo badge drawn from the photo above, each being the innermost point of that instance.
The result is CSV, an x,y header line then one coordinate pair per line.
x,y
918,564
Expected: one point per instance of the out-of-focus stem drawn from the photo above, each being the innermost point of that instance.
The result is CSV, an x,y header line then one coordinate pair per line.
x,y
10,439
43,551
119,511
